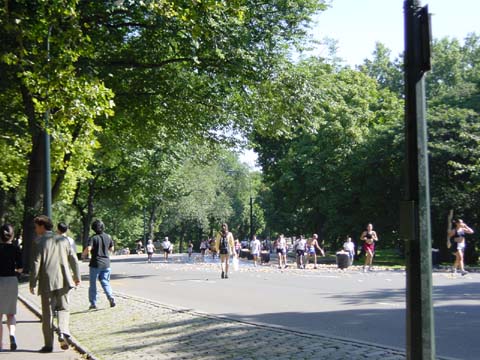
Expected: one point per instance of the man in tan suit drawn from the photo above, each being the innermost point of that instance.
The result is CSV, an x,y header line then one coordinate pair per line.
x,y
53,263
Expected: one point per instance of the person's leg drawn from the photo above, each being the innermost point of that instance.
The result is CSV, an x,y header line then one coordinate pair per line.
x,y
47,321
227,260
104,278
222,265
11,324
315,260
92,289
461,262
1,331
60,304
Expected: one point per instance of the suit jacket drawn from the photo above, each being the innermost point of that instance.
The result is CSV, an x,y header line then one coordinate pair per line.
x,y
53,264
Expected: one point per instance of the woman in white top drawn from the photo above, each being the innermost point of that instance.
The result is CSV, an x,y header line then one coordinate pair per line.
x,y
458,234
255,247
150,251
281,246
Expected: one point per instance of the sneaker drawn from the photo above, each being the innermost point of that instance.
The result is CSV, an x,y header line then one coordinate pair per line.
x,y
13,343
464,273
62,339
92,307
112,302
226,276
223,275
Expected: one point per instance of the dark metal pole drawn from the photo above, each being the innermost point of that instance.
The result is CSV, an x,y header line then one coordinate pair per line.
x,y
415,212
47,191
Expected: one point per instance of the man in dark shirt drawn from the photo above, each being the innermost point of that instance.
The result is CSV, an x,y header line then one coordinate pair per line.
x,y
99,246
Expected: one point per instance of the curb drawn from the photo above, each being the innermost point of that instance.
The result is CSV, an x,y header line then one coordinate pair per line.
x,y
75,344
395,350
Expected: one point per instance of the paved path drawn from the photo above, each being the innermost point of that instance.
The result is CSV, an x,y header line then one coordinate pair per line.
x,y
142,328
30,340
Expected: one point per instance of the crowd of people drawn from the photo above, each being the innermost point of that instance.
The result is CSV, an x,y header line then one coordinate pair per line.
x,y
54,272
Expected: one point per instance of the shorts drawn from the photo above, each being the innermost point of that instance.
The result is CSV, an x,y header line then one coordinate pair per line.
x,y
369,247
150,253
281,251
461,246
311,252
300,252
255,254
166,251
223,251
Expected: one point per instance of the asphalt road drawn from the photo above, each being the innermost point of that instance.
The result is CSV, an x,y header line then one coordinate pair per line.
x,y
368,307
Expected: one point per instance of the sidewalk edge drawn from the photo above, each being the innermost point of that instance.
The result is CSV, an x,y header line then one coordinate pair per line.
x,y
75,344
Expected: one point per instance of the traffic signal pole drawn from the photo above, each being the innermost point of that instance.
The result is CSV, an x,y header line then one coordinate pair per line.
x,y
415,208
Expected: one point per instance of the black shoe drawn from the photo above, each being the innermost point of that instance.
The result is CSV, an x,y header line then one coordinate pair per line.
x,y
223,275
62,339
226,276
13,343
92,307
46,349
112,302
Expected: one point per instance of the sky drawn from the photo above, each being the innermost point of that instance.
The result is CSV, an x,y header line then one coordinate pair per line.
x,y
358,24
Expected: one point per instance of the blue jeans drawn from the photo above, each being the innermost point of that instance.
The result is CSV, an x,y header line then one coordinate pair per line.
x,y
103,275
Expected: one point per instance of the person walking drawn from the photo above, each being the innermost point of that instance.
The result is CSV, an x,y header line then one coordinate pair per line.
x,y
167,248
62,230
10,267
99,246
225,246
281,246
255,248
369,236
53,264
349,247
190,250
203,248
458,235
300,248
150,250
312,248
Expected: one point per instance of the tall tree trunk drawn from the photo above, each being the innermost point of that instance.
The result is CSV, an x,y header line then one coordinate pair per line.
x,y
35,179
88,215
151,222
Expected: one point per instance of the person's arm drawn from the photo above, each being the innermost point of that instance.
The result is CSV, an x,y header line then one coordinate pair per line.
x,y
37,257
374,236
467,229
73,262
363,236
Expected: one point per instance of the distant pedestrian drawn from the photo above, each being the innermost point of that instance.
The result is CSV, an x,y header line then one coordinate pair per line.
x,y
150,251
99,246
281,246
458,235
300,248
238,248
225,246
255,248
167,248
62,229
10,267
312,248
203,248
190,249
53,264
349,247
212,248
369,236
